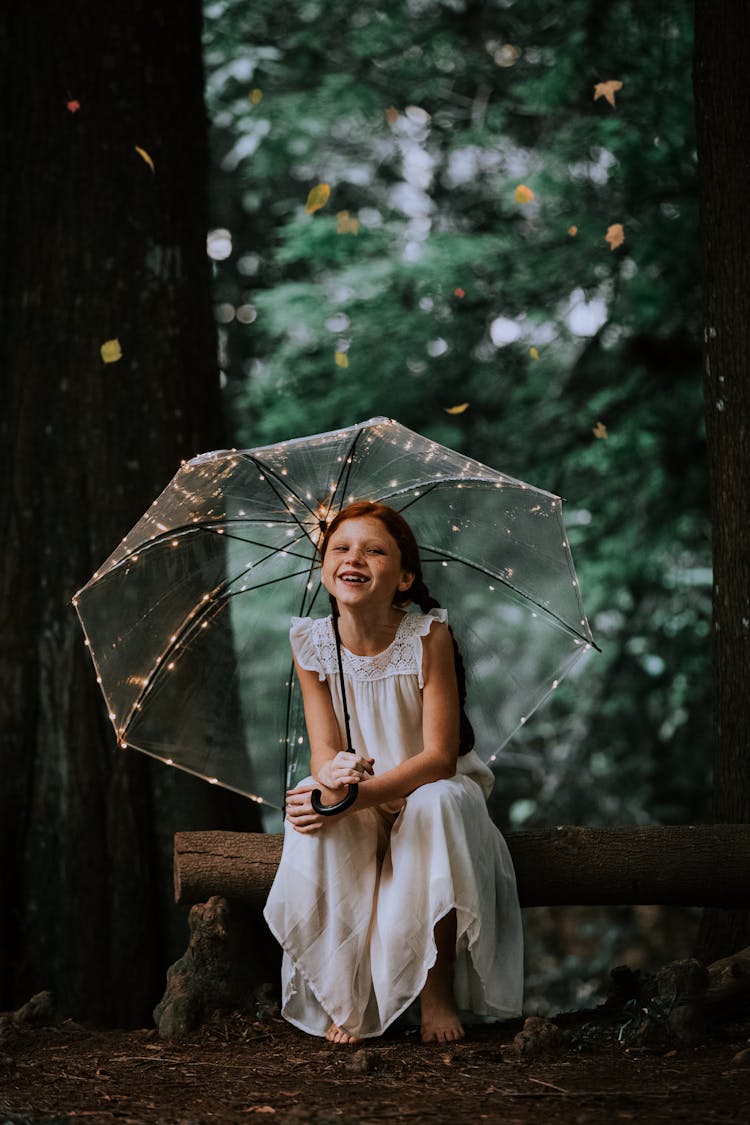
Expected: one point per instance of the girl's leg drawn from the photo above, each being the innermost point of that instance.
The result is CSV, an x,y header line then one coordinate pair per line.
x,y
416,923
440,1021
319,909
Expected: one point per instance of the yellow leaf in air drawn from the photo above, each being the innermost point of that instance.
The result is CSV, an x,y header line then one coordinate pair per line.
x,y
145,156
462,406
523,194
318,197
599,430
607,90
615,236
345,225
342,359
111,351
533,353
255,97
391,115
572,231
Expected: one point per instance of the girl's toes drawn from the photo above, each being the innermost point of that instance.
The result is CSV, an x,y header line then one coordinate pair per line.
x,y
338,1035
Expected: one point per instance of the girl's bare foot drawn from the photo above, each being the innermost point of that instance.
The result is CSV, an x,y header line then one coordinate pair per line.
x,y
440,1022
338,1035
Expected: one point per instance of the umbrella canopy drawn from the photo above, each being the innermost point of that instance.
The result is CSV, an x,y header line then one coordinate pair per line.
x,y
187,620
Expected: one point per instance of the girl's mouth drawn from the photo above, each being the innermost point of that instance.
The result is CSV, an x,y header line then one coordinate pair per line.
x,y
353,579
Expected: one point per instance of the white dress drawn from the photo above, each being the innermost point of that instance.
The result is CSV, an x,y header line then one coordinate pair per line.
x,y
354,905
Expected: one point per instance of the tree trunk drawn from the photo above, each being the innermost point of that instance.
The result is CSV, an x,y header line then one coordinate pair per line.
x,y
95,245
721,66
687,866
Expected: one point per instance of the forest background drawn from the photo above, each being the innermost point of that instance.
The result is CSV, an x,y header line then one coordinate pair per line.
x,y
424,283
463,278
508,262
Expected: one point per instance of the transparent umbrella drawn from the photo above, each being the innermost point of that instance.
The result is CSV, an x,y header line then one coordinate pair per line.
x,y
187,621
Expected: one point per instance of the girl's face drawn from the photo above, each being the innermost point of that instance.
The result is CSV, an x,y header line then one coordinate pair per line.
x,y
362,564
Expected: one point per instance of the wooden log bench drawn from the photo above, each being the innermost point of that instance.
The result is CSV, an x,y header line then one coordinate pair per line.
x,y
226,877
687,865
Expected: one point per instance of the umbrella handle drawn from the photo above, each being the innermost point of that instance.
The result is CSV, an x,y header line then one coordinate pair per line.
x,y
331,810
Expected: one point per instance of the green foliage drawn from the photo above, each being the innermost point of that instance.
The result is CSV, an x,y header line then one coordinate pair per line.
x,y
406,110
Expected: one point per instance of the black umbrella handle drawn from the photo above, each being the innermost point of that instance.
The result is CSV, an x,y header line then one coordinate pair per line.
x,y
331,810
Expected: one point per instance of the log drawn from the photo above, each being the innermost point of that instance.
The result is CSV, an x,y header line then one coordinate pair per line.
x,y
685,865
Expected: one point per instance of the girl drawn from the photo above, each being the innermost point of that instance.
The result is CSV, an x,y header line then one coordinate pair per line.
x,y
410,892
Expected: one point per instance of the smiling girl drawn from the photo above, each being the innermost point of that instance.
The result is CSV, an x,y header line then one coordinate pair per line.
x,y
410,892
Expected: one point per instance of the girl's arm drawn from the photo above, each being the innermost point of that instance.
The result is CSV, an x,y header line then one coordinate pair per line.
x,y
440,735
331,766
440,728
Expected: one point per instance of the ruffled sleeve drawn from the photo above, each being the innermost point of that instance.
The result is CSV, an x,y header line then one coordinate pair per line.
x,y
422,626
303,645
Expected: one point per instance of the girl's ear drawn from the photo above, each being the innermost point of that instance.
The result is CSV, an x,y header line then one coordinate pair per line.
x,y
407,580
324,585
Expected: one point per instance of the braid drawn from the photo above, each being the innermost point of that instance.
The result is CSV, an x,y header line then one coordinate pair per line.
x,y
419,594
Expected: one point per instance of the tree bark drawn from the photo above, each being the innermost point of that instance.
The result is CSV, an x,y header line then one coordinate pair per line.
x,y
721,65
95,245
686,866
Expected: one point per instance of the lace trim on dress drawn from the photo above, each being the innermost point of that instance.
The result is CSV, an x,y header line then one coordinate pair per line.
x,y
314,644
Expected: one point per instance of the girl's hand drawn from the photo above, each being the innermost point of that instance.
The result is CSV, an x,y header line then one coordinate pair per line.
x,y
345,769
300,813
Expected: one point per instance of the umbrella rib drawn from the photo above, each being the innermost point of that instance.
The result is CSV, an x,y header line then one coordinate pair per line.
x,y
190,626
158,670
346,469
426,492
271,475
446,555
190,528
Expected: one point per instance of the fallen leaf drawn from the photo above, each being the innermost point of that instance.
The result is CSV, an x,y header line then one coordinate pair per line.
x,y
392,115
459,293
607,90
533,353
145,156
523,194
342,359
73,105
260,1109
255,97
600,430
456,409
572,231
318,197
345,225
111,351
615,236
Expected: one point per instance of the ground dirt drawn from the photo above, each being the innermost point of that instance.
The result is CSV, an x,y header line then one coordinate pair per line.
x,y
237,1069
